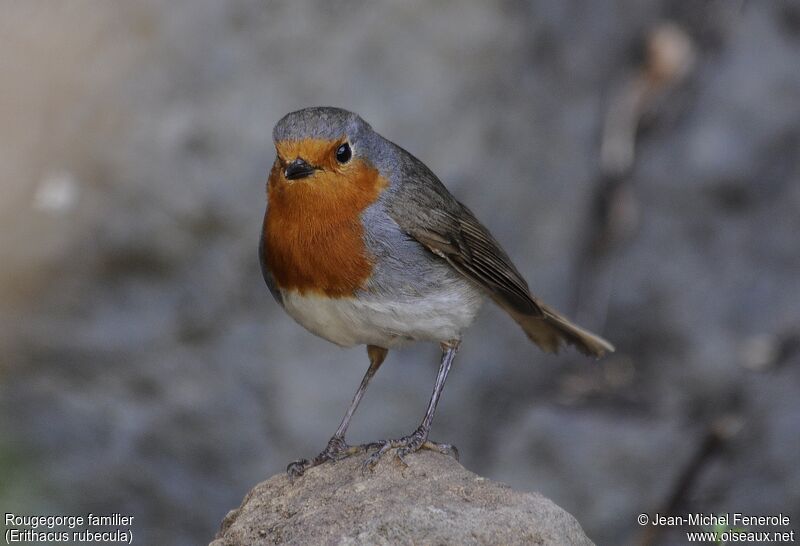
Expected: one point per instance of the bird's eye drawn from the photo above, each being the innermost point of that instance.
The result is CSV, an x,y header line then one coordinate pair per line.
x,y
344,153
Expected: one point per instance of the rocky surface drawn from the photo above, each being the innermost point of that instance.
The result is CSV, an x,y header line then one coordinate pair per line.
x,y
434,500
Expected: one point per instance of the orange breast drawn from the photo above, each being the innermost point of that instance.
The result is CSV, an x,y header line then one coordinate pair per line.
x,y
312,229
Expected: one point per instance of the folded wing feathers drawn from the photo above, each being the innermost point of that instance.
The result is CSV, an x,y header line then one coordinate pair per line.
x,y
450,230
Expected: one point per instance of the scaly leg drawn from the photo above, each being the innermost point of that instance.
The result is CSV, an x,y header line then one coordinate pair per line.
x,y
337,448
419,438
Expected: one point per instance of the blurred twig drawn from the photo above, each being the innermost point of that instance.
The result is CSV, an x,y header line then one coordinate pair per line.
x,y
668,60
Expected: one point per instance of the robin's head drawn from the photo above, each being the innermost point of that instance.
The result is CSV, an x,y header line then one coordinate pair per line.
x,y
321,146
322,180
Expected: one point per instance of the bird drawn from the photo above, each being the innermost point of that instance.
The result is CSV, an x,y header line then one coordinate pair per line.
x,y
362,244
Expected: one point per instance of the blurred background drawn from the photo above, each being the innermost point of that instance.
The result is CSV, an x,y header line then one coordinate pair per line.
x,y
638,160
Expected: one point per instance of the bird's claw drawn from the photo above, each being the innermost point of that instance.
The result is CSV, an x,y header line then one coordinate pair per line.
x,y
373,458
405,446
336,450
444,449
297,468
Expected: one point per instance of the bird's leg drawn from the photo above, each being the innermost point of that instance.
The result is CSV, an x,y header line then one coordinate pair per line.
x,y
337,448
419,438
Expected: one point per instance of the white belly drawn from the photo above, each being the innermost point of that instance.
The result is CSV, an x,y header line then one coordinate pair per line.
x,y
373,321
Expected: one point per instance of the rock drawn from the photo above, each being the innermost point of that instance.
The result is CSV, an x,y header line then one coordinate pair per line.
x,y
434,500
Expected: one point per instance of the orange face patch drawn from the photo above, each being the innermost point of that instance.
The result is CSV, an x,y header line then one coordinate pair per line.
x,y
312,228
316,151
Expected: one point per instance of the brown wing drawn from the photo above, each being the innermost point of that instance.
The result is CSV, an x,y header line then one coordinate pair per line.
x,y
426,211
470,249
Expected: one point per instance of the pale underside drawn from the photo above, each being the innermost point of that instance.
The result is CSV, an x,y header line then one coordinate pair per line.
x,y
366,320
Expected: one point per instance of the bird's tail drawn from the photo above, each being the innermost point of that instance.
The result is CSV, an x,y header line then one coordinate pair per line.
x,y
550,330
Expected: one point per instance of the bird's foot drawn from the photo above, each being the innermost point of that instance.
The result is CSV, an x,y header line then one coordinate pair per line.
x,y
336,450
405,446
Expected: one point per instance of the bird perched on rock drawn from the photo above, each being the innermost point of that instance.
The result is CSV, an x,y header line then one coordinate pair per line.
x,y
363,245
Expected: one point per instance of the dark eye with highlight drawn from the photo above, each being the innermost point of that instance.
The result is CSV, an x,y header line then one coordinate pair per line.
x,y
344,153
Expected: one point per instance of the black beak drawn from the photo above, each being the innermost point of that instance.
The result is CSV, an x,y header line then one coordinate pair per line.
x,y
298,169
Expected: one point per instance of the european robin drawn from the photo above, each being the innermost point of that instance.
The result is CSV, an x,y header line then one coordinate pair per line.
x,y
363,245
